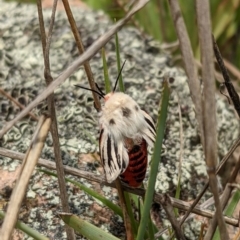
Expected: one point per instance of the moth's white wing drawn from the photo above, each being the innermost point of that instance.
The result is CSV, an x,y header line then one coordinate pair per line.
x,y
149,133
113,154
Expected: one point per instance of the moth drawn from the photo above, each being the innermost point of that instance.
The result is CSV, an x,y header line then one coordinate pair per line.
x,y
125,133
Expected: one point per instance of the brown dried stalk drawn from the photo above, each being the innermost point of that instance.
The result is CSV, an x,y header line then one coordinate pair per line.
x,y
185,206
209,110
46,42
227,82
81,50
222,162
166,204
188,59
225,197
133,21
28,165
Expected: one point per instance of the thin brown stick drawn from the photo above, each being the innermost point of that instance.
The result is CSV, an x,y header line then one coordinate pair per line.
x,y
231,90
17,103
28,165
185,206
126,218
46,42
218,76
209,109
222,162
88,54
232,69
188,59
133,21
166,204
81,50
224,199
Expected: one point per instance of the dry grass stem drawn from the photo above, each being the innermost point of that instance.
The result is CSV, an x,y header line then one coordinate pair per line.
x,y
46,43
166,204
227,82
218,76
232,69
133,21
209,109
188,59
185,206
126,217
28,165
17,103
88,54
222,162
81,50
51,165
225,196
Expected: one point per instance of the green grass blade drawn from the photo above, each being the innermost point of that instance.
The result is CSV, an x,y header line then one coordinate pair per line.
x,y
162,117
116,209
120,81
229,211
85,228
105,70
26,229
151,229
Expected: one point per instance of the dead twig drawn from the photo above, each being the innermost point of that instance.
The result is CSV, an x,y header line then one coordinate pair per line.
x,y
133,21
166,204
185,206
28,165
188,59
46,42
227,82
209,109
126,218
232,69
80,47
222,162
225,197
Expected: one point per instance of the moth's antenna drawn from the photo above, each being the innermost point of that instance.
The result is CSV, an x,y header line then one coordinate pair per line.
x,y
99,89
92,90
119,74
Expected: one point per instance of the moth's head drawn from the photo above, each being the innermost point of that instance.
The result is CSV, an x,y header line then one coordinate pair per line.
x,y
100,93
107,96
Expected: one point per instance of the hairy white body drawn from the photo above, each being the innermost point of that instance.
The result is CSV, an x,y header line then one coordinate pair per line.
x,y
121,119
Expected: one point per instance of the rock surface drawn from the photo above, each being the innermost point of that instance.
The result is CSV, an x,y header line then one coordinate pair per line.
x,y
21,75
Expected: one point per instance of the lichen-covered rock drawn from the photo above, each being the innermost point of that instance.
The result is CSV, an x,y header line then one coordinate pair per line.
x,y
21,75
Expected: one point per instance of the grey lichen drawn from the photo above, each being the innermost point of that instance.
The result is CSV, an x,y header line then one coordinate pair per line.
x,y
21,75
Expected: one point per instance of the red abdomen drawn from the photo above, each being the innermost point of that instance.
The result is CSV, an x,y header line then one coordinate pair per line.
x,y
136,170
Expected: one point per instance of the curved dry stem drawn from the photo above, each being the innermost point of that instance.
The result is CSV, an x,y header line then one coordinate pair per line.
x,y
80,47
28,165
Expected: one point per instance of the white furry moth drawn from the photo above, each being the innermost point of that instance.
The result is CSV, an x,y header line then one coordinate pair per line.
x,y
126,130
